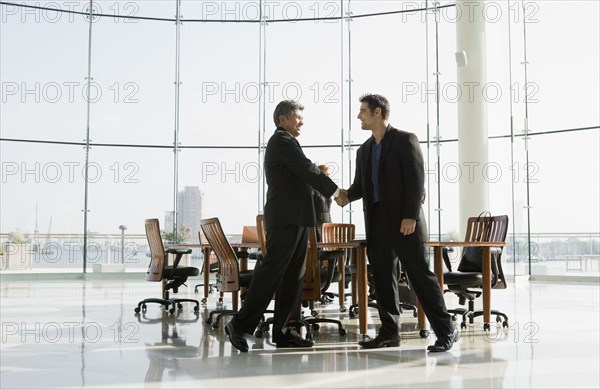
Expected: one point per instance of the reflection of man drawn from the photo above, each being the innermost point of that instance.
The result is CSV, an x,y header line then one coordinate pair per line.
x,y
289,211
389,178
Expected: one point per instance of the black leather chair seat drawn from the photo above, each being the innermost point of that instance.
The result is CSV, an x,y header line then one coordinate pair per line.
x,y
245,278
180,272
464,279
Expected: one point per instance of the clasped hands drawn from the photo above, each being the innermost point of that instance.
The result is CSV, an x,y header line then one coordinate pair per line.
x,y
342,199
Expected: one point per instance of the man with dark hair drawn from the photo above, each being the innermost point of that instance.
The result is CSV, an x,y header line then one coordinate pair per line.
x,y
289,211
389,179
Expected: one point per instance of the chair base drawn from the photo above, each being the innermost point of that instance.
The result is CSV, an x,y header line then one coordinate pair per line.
x,y
471,314
264,327
314,323
141,307
210,290
219,314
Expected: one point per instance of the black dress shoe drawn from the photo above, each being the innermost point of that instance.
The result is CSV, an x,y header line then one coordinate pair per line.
x,y
292,339
236,337
380,342
444,343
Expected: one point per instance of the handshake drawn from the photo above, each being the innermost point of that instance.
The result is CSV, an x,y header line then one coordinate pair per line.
x,y
342,199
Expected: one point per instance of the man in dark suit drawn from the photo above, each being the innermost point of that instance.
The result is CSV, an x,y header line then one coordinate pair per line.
x,y
389,179
289,211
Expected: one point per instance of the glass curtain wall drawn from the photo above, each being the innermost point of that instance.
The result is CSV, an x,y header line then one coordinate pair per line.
x,y
179,103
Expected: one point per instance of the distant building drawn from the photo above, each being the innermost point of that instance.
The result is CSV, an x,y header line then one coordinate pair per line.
x,y
189,211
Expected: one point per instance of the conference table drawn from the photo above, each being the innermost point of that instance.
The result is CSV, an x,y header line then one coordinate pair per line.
x,y
360,261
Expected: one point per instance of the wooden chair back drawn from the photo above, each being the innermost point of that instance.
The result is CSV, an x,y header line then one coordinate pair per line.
x,y
338,232
158,256
228,277
312,277
262,234
490,229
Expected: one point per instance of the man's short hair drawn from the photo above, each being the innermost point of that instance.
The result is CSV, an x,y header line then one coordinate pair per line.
x,y
377,101
285,108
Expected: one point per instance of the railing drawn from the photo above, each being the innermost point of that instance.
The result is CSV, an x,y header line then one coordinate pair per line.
x,y
556,253
551,254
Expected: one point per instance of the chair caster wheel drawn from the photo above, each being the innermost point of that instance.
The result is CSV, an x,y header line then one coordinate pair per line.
x,y
424,333
209,321
342,332
203,300
137,310
486,326
415,314
343,308
505,324
215,325
315,327
258,334
196,309
463,325
179,306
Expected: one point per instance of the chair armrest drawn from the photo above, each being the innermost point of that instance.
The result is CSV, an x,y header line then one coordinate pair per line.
x,y
445,251
495,257
178,252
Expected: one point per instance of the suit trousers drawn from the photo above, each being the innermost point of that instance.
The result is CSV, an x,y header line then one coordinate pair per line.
x,y
281,272
383,252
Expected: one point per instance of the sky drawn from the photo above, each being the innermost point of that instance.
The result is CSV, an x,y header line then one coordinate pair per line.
x,y
326,65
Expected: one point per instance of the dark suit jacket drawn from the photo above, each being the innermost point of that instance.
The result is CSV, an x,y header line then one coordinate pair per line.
x,y
401,181
290,176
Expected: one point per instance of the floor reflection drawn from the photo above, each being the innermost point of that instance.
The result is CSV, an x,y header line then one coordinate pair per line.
x,y
85,334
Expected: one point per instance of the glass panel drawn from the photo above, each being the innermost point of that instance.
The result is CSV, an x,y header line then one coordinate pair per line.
x,y
564,64
307,70
565,226
133,68
47,177
220,92
228,181
44,66
394,67
42,200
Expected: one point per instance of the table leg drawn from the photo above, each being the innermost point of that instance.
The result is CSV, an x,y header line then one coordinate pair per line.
x,y
487,284
353,277
243,261
342,282
206,254
438,267
361,265
421,317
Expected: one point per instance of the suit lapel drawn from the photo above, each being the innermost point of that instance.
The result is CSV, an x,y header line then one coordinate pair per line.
x,y
386,146
366,168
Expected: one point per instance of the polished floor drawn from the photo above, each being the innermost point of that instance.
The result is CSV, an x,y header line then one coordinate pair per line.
x,y
85,334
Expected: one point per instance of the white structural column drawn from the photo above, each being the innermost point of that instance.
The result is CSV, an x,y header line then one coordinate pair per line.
x,y
472,109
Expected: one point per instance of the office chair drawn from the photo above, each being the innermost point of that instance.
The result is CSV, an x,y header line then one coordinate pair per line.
x,y
466,281
312,293
336,233
229,276
213,268
317,278
172,277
